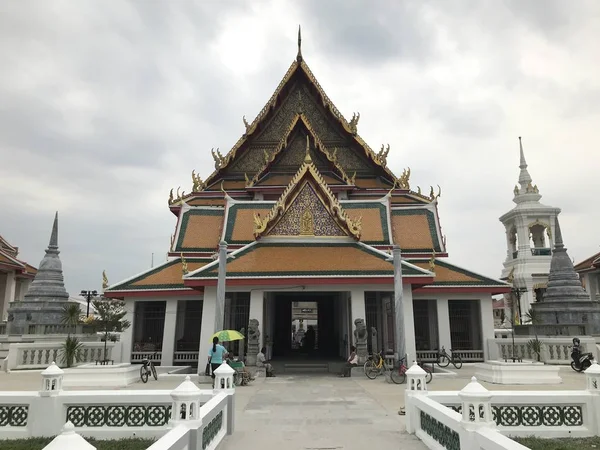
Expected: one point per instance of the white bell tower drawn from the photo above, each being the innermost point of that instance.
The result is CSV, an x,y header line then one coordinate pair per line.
x,y
529,228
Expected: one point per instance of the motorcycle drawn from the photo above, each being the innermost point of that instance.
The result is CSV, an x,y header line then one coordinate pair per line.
x,y
581,361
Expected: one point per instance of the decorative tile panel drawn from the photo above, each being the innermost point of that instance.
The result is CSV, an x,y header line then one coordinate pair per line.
x,y
533,415
13,415
443,434
119,415
212,430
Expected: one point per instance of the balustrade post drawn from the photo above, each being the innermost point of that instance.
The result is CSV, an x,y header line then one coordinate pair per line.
x,y
415,385
186,404
224,383
592,379
69,440
476,410
52,379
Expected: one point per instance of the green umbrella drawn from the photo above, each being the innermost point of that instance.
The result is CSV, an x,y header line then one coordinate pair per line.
x,y
228,335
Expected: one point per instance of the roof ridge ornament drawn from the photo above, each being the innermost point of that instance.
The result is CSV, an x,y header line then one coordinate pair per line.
x,y
299,55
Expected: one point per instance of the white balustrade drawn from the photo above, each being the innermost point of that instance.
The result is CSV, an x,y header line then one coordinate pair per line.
x,y
138,357
115,414
39,355
185,357
554,350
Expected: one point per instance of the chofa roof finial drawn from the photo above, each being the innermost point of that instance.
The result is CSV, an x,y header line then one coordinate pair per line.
x,y
299,55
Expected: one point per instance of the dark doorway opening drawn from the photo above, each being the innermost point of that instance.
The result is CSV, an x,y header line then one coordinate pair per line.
x,y
307,326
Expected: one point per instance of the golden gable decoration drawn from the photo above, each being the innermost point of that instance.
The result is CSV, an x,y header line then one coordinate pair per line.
x,y
308,180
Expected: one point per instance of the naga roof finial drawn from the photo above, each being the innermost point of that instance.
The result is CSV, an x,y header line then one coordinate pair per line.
x,y
299,55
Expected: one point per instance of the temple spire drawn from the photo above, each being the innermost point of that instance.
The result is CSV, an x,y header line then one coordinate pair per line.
x,y
54,235
527,192
558,240
299,55
524,177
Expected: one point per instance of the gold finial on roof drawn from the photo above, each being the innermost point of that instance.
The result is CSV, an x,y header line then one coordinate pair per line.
x,y
307,158
104,280
171,196
172,241
432,262
184,266
197,183
246,124
354,123
299,55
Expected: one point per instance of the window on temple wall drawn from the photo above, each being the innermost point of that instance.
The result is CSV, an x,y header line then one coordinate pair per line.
x,y
538,241
512,240
148,326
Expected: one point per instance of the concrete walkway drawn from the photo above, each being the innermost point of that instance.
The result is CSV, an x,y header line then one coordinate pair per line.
x,y
319,412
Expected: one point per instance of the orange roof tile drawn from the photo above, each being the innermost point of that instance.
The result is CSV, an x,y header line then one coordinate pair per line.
x,y
171,275
200,230
415,230
374,221
587,264
243,218
447,274
306,259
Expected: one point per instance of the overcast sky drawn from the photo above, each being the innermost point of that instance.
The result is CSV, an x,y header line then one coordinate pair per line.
x,y
105,106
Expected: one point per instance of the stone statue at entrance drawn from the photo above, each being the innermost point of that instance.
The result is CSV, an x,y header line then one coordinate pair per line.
x,y
253,342
360,339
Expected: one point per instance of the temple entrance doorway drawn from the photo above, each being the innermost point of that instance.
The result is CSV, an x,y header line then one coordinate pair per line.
x,y
308,326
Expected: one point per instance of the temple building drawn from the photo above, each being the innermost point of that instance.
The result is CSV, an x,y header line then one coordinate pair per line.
x,y
589,273
309,213
15,276
529,228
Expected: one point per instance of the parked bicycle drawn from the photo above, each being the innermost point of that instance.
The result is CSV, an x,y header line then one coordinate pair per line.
x,y
444,359
376,366
148,368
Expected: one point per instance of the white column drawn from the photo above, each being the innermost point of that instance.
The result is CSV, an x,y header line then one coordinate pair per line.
x,y
127,335
357,305
257,303
443,315
409,325
487,324
9,293
168,343
207,329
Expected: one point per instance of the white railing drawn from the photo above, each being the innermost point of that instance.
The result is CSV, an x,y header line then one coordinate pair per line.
x,y
188,357
39,355
465,355
138,357
554,350
116,414
476,418
524,413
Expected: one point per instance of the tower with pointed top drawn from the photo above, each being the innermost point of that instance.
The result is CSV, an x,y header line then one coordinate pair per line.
x,y
45,300
529,229
566,306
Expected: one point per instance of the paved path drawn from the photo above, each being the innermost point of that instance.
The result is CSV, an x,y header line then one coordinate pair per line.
x,y
319,412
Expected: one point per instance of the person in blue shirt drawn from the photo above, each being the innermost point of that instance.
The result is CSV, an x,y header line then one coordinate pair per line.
x,y
216,355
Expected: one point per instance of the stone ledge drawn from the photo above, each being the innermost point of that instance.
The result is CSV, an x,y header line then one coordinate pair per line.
x,y
526,372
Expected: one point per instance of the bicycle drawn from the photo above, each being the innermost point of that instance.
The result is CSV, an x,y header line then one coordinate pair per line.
x,y
147,368
398,373
444,359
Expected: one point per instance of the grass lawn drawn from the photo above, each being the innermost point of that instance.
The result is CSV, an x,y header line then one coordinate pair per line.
x,y
561,444
40,443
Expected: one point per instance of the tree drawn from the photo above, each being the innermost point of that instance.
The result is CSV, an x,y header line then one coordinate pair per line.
x,y
109,317
535,345
71,348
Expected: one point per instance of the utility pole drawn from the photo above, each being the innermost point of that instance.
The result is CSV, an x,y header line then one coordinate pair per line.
x,y
399,305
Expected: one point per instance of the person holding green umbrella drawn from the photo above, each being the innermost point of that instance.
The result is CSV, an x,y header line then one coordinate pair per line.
x,y
216,355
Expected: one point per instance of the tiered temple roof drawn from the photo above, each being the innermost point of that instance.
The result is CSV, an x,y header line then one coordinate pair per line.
x,y
302,197
10,262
